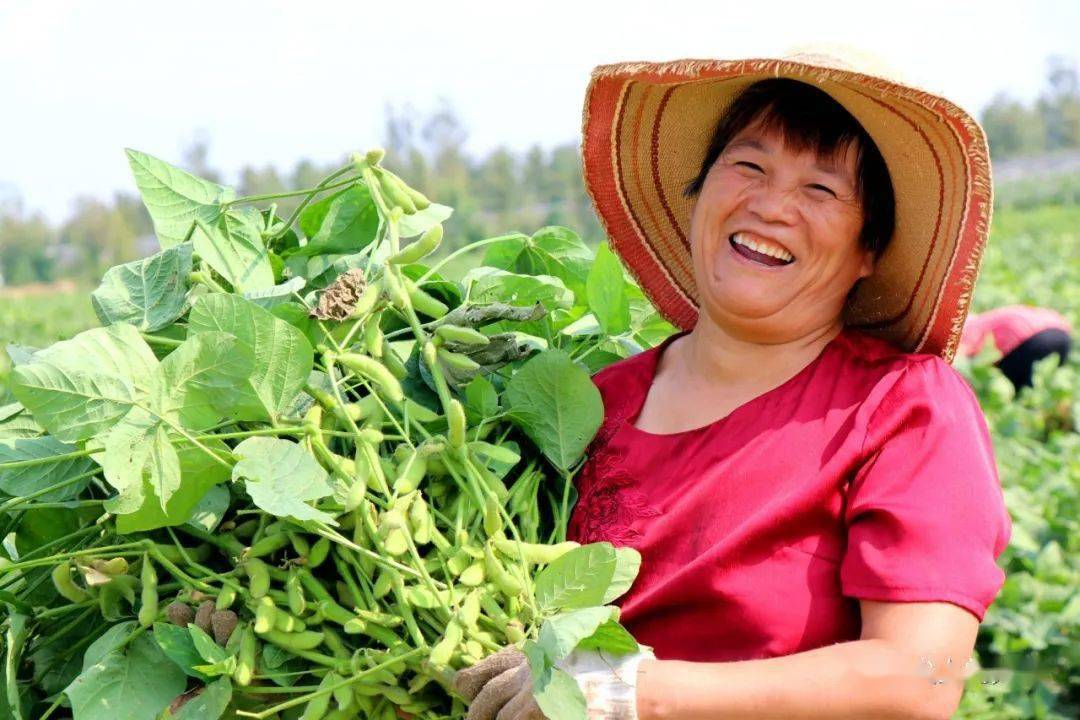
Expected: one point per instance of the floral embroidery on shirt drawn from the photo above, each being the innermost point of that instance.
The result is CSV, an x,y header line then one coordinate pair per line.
x,y
609,502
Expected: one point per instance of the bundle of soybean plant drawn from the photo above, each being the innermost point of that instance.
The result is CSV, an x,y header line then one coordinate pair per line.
x,y
297,473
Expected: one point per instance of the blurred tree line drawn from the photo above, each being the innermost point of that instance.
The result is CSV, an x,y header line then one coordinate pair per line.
x,y
498,193
501,192
1051,123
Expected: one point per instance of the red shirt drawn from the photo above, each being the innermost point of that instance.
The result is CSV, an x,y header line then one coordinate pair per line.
x,y
869,474
1009,326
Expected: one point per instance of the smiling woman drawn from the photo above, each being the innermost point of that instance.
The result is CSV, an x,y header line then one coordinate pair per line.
x,y
794,206
810,485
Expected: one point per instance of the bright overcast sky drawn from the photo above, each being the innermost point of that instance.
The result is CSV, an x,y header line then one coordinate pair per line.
x,y
273,81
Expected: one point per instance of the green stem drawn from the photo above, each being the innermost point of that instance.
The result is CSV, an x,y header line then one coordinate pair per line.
x,y
461,251
60,541
65,609
161,341
375,557
17,464
509,522
16,638
204,277
122,550
252,433
64,505
291,193
304,203
271,711
175,571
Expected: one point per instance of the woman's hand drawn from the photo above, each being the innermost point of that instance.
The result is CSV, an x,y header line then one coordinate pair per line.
x,y
500,686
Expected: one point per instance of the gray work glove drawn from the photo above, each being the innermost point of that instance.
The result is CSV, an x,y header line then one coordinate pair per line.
x,y
500,686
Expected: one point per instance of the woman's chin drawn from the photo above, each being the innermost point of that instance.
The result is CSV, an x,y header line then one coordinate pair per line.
x,y
749,296
750,305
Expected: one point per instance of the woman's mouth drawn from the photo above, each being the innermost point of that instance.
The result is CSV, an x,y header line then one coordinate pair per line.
x,y
760,252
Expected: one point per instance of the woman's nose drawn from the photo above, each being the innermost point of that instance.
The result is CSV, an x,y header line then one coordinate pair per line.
x,y
772,203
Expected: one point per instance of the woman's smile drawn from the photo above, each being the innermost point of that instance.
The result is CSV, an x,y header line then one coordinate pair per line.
x,y
758,250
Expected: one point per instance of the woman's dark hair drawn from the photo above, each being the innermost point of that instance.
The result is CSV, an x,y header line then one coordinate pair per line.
x,y
809,119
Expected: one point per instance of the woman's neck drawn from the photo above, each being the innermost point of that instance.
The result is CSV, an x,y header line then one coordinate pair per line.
x,y
711,356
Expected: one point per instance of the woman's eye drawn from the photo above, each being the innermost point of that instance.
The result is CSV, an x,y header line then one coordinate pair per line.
x,y
750,165
815,186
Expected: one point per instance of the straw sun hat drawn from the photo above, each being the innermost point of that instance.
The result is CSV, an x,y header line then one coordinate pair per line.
x,y
646,130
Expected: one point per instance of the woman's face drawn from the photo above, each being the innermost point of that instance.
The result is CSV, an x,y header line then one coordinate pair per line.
x,y
775,238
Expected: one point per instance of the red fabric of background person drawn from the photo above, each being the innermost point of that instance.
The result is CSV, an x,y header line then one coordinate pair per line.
x,y
1009,326
869,475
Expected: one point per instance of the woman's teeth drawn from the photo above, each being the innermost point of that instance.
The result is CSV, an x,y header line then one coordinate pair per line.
x,y
763,248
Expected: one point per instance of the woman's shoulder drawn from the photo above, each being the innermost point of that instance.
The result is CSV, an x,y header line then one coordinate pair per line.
x,y
893,376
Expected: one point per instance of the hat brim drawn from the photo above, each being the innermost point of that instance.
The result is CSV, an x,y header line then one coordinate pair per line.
x,y
646,130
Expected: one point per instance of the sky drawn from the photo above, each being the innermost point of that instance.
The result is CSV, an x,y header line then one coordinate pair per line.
x,y
271,82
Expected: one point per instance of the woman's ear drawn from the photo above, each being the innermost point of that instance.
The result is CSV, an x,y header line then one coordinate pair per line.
x,y
866,265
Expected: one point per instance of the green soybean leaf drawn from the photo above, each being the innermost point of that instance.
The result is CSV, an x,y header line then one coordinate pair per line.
x,y
178,646
211,508
23,481
344,222
280,667
16,422
56,667
72,405
559,696
82,386
140,447
282,356
109,641
210,704
561,633
276,295
481,397
578,579
44,525
422,220
606,292
557,405
610,637
208,650
280,476
233,246
139,679
138,508
174,198
117,350
493,285
149,293
552,250
627,564
199,379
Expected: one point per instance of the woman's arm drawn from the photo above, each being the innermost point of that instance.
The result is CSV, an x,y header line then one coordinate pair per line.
x,y
882,675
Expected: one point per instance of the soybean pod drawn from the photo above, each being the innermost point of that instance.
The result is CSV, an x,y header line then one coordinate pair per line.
x,y
425,245
376,372
424,303
245,659
461,335
259,577
305,640
65,585
265,615
295,593
148,611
